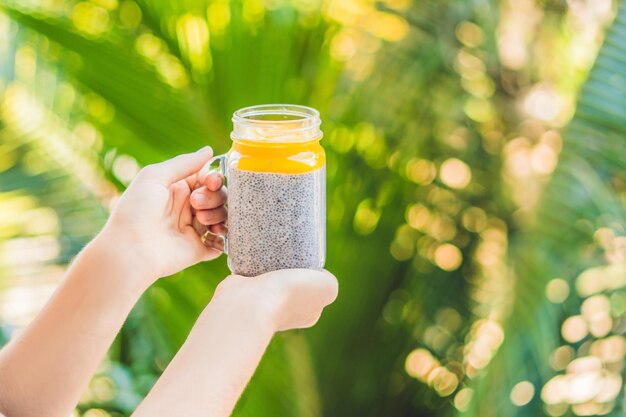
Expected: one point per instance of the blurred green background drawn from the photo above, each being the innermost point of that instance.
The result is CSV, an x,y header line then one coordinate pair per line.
x,y
476,189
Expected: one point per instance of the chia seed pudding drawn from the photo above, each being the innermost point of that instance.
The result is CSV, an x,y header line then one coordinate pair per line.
x,y
275,221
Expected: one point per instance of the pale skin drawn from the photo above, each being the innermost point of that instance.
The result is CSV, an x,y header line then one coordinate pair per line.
x,y
149,235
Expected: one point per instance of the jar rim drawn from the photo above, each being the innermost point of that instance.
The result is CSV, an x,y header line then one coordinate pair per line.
x,y
276,122
245,115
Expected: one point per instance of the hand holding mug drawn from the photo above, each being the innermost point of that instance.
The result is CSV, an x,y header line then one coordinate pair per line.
x,y
151,225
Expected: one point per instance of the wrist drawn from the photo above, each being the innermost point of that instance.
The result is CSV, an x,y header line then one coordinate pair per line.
x,y
121,259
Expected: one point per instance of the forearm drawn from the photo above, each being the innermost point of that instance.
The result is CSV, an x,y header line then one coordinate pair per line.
x,y
211,370
44,371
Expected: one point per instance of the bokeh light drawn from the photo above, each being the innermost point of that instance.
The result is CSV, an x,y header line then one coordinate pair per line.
x,y
522,393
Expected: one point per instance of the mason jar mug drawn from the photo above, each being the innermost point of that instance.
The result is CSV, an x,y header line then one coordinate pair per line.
x,y
276,178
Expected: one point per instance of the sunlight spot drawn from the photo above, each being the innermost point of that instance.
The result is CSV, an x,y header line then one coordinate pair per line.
x,y
584,364
171,71
449,319
468,65
469,34
149,46
556,410
555,391
595,308
455,173
342,139
125,168
386,26
193,36
604,236
218,15
511,40
474,219
611,387
96,412
419,364
420,171
574,329
557,290
29,250
448,257
418,216
26,63
479,109
402,247
543,159
485,338
130,14
462,399
595,280
344,45
561,357
600,327
90,18
99,109
610,350
102,388
443,381
584,386
522,393
366,217
253,11
107,4
392,313
442,228
543,103
19,304
591,409
88,133
41,220
481,87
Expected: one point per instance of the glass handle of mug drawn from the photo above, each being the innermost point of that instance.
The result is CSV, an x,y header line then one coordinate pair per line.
x,y
209,238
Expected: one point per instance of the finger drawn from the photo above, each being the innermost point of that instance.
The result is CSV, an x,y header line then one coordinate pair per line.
x,y
213,216
219,229
179,167
196,225
192,181
180,195
214,181
202,199
213,241
186,217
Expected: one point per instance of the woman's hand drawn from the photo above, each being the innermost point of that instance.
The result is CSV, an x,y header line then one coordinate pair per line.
x,y
152,224
210,371
288,299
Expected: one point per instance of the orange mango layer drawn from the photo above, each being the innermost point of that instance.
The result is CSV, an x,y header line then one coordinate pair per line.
x,y
282,158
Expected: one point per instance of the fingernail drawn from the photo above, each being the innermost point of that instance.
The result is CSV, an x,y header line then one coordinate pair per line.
x,y
200,199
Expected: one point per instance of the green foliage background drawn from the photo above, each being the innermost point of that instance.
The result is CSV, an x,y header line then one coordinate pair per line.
x,y
452,292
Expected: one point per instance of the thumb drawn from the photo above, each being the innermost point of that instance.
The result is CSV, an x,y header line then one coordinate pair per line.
x,y
181,166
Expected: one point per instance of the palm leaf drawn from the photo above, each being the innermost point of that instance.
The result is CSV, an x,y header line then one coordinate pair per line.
x,y
582,197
